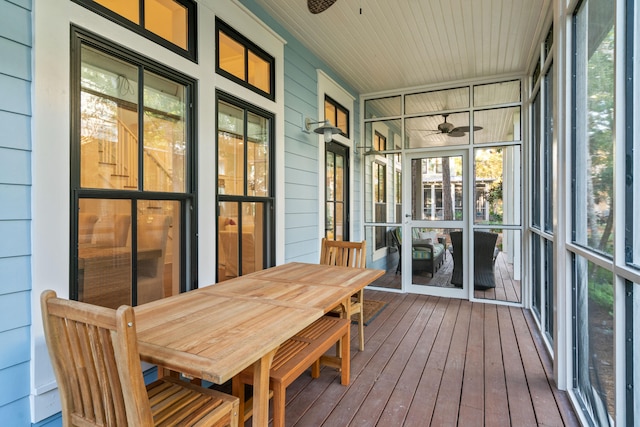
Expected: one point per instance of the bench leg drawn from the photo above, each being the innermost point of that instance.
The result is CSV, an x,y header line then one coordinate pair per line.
x,y
279,397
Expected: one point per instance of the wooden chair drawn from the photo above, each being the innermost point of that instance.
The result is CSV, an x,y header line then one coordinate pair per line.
x,y
95,358
348,254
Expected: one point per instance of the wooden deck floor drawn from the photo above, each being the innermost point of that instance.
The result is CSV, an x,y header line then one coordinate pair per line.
x,y
432,361
507,288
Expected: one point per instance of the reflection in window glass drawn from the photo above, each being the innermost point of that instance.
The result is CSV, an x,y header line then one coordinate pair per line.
x,y
382,107
158,256
389,130
336,192
594,355
105,243
163,157
593,140
109,122
257,155
439,100
437,130
497,184
230,149
496,93
380,193
241,228
497,125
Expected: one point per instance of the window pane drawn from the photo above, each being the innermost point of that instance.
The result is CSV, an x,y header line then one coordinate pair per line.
x,y
158,232
258,155
231,56
536,280
388,130
437,188
383,107
379,188
594,335
497,125
127,9
230,149
496,93
330,112
439,100
108,122
497,264
594,142
498,186
259,72
547,154
342,121
437,130
549,289
240,238
536,175
166,18
164,159
104,252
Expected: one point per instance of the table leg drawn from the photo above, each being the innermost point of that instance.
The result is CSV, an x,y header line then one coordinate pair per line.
x,y
261,389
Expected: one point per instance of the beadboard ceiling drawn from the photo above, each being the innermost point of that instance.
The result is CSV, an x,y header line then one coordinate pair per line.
x,y
379,45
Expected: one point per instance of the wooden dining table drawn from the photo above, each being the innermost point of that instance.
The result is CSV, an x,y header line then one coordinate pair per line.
x,y
215,332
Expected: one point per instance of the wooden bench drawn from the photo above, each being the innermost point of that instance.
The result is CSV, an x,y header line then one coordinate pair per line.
x,y
295,356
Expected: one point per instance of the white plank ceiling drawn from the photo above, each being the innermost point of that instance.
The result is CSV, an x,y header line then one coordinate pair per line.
x,y
379,45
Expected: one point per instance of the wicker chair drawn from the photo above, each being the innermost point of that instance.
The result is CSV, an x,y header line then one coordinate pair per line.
x,y
484,250
95,357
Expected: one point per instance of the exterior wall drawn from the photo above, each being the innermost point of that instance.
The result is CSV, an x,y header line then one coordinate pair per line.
x,y
304,155
299,156
15,209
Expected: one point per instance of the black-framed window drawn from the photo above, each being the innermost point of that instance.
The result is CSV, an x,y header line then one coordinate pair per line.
x,y
170,23
133,214
337,115
379,142
246,187
244,62
336,191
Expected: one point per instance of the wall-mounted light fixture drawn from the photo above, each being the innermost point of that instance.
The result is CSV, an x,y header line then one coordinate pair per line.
x,y
326,129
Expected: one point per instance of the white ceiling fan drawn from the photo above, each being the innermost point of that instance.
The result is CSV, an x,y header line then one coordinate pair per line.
x,y
452,130
317,6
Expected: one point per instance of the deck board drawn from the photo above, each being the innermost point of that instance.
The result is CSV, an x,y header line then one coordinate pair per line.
x,y
431,361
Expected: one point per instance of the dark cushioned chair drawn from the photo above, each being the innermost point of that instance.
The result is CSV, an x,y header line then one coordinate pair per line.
x,y
484,254
426,255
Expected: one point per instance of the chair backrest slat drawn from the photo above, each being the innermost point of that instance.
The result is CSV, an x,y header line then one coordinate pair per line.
x,y
95,358
345,254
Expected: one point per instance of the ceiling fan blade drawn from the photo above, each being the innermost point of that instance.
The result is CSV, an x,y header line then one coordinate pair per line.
x,y
317,6
467,128
456,133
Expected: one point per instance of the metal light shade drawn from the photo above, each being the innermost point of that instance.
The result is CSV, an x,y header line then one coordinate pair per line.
x,y
326,129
